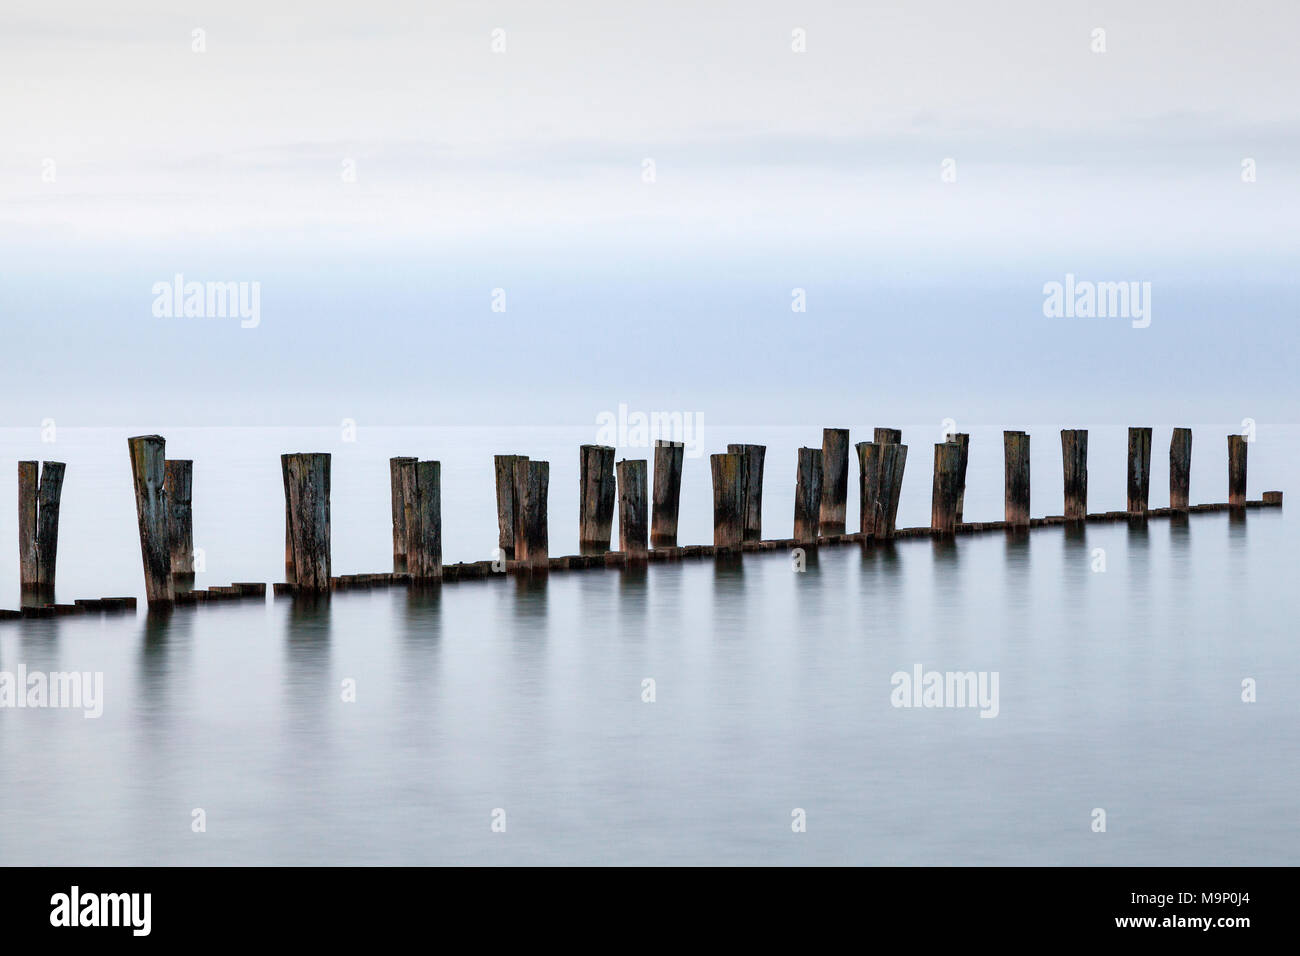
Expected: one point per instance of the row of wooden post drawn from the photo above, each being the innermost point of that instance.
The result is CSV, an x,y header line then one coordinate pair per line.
x,y
164,492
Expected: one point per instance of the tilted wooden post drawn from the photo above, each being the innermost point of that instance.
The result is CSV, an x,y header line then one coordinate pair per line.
x,y
309,520
835,480
633,504
507,507
179,485
946,485
963,439
1180,469
667,492
728,499
149,475
596,498
881,467
1139,470
38,525
753,491
1237,471
532,481
399,511
422,495
808,495
1015,448
1074,462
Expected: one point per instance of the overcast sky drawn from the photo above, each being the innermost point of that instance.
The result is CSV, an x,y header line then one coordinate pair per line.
x,y
380,170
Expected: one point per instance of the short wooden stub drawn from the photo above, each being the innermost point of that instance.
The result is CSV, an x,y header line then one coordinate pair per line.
x,y
399,511
597,490
1074,461
669,456
835,480
309,520
808,496
728,500
633,507
963,439
887,436
1237,471
507,512
1139,470
1180,469
179,485
149,475
945,487
38,526
422,496
532,482
1015,448
754,456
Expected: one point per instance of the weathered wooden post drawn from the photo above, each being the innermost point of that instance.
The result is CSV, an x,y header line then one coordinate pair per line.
x,y
753,490
1015,448
728,500
179,485
1074,461
667,492
1237,471
868,485
38,525
893,462
149,475
596,505
632,507
881,467
507,507
422,496
945,487
1139,470
835,480
1180,469
963,439
532,481
309,520
888,436
808,495
395,466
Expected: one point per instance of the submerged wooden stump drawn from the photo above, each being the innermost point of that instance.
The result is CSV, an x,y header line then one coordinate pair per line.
x,y
308,475
1180,469
1015,448
669,456
532,481
728,500
945,487
179,485
597,490
507,507
395,466
422,497
835,480
1139,470
962,439
39,495
752,504
633,505
149,475
808,496
1237,471
1074,460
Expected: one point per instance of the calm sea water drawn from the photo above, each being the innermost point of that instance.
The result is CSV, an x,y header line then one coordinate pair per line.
x,y
1118,689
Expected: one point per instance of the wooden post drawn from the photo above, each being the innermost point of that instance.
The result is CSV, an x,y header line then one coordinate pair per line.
x,y
28,479
179,485
149,475
835,480
632,507
1074,461
667,492
881,468
399,511
963,439
1015,448
532,481
309,520
728,500
1237,471
868,485
753,490
1180,469
596,505
1139,470
945,487
38,511
289,573
421,483
507,507
888,436
808,495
